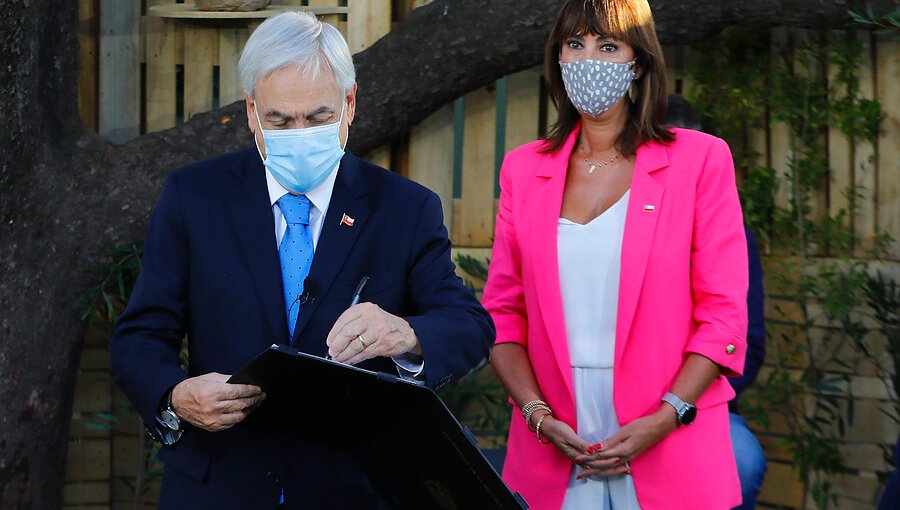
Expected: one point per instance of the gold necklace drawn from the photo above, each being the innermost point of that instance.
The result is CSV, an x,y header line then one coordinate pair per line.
x,y
594,166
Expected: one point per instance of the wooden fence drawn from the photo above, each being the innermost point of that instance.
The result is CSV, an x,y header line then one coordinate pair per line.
x,y
154,67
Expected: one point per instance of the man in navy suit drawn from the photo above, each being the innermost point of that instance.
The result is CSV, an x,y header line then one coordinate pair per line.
x,y
271,245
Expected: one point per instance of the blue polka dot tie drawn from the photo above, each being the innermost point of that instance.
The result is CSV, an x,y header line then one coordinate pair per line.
x,y
296,253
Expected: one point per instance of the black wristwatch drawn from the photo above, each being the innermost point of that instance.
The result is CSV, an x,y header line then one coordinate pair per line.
x,y
170,429
685,412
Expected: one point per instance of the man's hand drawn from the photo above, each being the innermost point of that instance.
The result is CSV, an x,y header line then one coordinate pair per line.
x,y
365,331
210,403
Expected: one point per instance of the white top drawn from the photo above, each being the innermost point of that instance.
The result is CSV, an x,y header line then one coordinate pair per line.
x,y
590,258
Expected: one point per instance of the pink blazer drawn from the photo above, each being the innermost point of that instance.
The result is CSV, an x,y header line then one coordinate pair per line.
x,y
683,289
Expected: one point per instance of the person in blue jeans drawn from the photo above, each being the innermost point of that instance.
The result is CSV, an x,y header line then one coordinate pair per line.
x,y
751,463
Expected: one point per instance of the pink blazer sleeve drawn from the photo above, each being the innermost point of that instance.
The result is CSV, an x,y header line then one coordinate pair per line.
x,y
719,265
504,295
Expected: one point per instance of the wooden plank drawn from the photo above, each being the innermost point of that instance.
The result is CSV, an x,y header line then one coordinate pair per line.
x,y
189,11
127,455
330,18
431,157
381,156
774,448
871,424
818,195
200,45
368,21
88,47
864,154
840,157
685,80
160,78
788,341
781,486
119,107
89,426
88,460
477,198
123,494
550,113
670,53
94,359
231,44
856,492
779,133
92,392
480,255
523,107
888,179
865,457
875,342
98,332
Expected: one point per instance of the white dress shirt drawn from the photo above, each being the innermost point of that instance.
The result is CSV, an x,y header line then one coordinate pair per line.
x,y
320,198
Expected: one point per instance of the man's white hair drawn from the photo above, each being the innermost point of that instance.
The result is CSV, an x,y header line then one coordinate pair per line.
x,y
295,39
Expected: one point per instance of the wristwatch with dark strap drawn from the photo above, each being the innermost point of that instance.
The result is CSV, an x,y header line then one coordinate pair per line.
x,y
685,412
170,429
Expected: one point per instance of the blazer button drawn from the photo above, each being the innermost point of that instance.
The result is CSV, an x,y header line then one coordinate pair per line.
x,y
730,349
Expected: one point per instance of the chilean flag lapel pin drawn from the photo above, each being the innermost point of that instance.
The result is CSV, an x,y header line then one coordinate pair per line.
x,y
347,220
649,207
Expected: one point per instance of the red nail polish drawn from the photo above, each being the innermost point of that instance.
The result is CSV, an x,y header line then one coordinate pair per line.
x,y
591,450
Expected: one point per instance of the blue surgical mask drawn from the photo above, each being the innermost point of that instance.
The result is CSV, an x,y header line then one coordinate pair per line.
x,y
301,159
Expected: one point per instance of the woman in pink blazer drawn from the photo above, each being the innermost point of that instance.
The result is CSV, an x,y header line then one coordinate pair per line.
x,y
623,400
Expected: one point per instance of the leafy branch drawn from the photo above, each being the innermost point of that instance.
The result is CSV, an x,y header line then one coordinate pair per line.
x,y
115,283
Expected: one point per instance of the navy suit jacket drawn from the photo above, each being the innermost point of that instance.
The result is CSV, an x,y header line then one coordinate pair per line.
x,y
756,324
211,271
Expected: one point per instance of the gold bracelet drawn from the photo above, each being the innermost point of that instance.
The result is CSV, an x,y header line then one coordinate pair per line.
x,y
532,407
537,429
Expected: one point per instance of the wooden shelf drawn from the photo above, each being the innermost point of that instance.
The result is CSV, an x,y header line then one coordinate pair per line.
x,y
190,11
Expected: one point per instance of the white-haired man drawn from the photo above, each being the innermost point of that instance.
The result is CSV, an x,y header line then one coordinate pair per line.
x,y
270,244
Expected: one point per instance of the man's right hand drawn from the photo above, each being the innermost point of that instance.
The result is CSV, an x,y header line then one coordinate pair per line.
x,y
210,403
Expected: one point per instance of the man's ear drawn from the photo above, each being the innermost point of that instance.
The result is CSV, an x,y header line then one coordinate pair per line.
x,y
351,104
251,113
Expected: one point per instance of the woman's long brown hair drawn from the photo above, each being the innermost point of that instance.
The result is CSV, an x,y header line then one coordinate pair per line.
x,y
629,21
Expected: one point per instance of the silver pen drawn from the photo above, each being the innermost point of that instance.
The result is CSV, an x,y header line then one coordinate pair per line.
x,y
358,292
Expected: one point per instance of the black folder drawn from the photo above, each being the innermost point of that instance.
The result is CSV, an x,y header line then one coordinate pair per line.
x,y
416,453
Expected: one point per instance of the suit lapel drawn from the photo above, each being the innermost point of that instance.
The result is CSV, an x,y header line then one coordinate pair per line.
x,y
549,185
644,207
335,241
250,213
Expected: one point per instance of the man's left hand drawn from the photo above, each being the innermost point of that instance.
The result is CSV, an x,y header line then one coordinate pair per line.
x,y
366,331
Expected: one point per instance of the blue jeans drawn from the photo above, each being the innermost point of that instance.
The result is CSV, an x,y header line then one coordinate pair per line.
x,y
751,464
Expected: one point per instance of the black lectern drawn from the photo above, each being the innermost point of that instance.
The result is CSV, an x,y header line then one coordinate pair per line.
x,y
416,453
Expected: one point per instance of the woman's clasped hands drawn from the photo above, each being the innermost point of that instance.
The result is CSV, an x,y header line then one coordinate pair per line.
x,y
611,456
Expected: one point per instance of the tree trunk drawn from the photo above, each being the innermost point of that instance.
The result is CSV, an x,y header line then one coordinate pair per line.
x,y
65,192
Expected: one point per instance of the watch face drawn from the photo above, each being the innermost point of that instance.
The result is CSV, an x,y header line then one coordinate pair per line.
x,y
688,415
170,437
170,419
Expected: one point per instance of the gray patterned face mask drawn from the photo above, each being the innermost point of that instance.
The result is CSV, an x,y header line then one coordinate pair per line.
x,y
594,86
